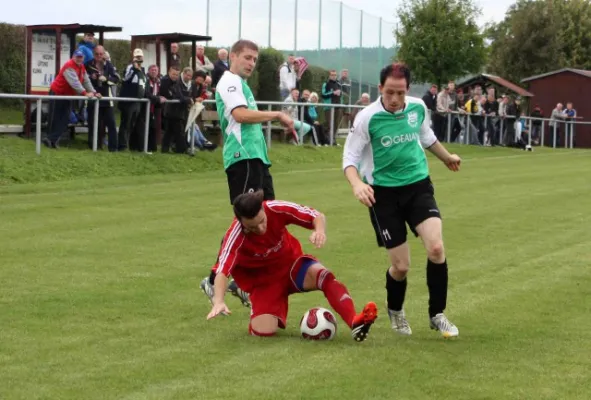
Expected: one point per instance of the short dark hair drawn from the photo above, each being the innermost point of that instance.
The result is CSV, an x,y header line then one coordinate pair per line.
x,y
175,66
199,74
397,71
242,45
248,205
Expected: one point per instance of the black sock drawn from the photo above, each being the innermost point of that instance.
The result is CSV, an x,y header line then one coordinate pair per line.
x,y
396,292
437,284
212,277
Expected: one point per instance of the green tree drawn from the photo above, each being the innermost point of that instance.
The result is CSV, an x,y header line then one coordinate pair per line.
x,y
541,36
439,39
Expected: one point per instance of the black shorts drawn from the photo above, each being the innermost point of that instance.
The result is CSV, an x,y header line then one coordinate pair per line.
x,y
397,206
249,176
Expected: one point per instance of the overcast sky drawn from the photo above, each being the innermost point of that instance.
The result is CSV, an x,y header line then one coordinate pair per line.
x,y
188,16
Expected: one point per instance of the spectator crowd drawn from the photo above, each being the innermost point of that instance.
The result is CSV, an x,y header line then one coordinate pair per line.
x,y
489,119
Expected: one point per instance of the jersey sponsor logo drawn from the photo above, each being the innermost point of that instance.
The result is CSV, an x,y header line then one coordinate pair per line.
x,y
237,154
386,235
231,89
252,102
413,119
388,141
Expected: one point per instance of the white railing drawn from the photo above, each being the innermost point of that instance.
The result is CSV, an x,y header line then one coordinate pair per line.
x,y
269,104
467,126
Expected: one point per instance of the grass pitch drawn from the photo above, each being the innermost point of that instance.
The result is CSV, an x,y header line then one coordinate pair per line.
x,y
100,300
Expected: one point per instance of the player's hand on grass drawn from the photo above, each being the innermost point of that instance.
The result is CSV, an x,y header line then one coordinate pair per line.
x,y
453,162
318,239
364,193
218,309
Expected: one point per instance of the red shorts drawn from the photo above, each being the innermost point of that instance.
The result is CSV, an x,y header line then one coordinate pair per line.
x,y
272,297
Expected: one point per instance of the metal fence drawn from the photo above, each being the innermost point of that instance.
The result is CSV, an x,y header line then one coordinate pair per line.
x,y
94,102
327,33
469,133
476,128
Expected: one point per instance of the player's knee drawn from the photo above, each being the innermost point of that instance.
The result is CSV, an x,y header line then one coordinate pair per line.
x,y
435,251
263,325
401,267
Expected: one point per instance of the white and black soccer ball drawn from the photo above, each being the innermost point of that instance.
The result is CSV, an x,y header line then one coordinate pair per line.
x,y
528,148
318,324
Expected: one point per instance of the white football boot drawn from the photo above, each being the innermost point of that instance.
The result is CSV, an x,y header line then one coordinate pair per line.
x,y
443,325
399,322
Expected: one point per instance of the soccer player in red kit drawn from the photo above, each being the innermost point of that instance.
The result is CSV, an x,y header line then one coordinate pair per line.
x,y
266,261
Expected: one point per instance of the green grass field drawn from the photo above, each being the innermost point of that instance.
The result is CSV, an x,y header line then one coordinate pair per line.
x,y
100,272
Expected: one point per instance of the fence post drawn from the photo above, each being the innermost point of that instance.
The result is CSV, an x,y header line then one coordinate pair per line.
x,y
542,134
332,132
95,120
554,138
301,133
566,135
147,127
269,108
572,135
502,131
38,130
448,128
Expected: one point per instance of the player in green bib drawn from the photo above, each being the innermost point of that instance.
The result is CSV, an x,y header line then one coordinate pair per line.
x,y
246,161
387,168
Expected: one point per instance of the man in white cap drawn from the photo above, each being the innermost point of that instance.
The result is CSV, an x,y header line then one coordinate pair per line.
x,y
134,86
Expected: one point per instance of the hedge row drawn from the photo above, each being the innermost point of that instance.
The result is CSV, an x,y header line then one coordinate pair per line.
x,y
264,81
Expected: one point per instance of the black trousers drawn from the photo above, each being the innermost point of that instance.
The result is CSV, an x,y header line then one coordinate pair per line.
x,y
130,114
106,120
59,117
175,133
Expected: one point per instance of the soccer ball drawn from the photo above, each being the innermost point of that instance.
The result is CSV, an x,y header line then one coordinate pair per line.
x,y
528,148
318,324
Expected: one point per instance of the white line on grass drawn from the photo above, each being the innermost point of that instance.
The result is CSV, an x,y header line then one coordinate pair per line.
x,y
576,152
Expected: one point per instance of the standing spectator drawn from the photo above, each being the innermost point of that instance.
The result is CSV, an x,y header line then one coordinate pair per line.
x,y
102,75
536,124
175,57
491,109
72,80
440,122
331,94
86,46
473,109
364,100
176,114
166,85
156,103
570,113
221,65
202,63
555,118
134,86
345,82
513,111
430,100
287,77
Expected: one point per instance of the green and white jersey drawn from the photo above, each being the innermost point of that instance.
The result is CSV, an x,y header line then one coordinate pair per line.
x,y
387,148
241,141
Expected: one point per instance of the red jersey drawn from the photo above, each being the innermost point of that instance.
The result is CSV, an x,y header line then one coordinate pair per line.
x,y
275,249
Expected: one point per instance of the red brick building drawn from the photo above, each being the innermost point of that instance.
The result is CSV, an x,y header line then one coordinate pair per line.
x,y
562,86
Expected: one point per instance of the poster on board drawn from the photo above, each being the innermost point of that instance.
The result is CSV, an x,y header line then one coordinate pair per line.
x,y
43,60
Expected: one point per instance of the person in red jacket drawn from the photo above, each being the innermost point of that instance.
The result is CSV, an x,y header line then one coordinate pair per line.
x,y
72,80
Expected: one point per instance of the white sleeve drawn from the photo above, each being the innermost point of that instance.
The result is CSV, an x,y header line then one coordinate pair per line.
x,y
427,136
356,142
230,90
284,77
